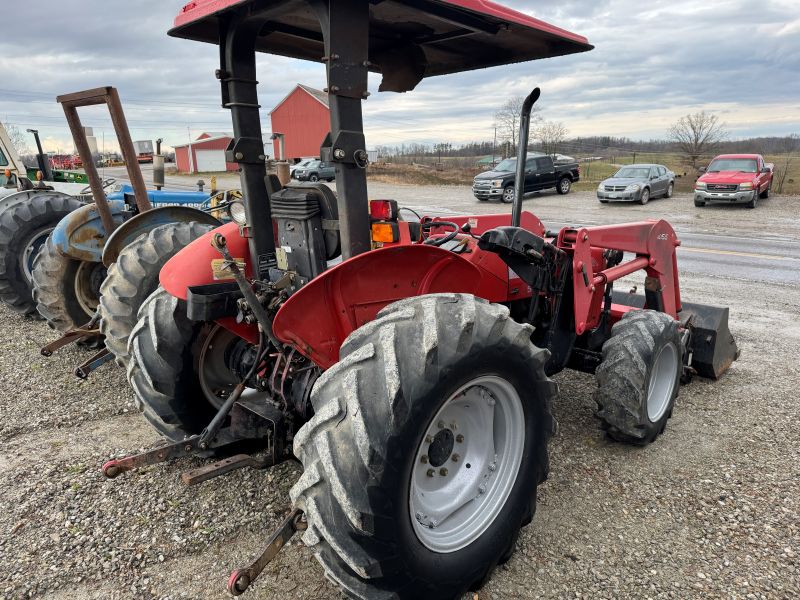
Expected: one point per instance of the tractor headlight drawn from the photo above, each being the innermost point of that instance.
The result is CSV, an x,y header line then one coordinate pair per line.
x,y
634,187
745,186
237,212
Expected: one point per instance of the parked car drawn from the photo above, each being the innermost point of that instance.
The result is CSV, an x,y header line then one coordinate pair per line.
x,y
316,170
637,183
734,179
303,162
540,174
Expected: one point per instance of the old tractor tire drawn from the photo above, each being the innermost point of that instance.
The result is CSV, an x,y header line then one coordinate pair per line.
x,y
134,276
24,228
167,366
66,290
639,376
386,417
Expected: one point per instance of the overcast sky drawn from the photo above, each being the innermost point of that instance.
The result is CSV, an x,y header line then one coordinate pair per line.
x,y
652,63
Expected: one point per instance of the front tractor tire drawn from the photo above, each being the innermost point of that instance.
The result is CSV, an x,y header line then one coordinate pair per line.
x,y
428,441
24,228
639,377
66,290
134,276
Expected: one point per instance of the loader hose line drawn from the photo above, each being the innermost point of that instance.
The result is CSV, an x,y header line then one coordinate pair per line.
x,y
264,320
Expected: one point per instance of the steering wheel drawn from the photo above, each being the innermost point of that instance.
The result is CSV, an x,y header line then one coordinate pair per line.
x,y
442,240
105,183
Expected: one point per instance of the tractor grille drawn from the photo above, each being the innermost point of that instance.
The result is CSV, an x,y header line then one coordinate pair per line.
x,y
615,188
722,187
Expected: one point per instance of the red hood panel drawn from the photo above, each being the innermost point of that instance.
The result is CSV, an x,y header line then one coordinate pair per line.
x,y
728,177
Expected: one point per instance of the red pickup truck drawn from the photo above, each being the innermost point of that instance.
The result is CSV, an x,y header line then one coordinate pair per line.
x,y
734,178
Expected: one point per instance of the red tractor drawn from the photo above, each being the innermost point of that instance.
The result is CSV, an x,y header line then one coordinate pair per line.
x,y
406,364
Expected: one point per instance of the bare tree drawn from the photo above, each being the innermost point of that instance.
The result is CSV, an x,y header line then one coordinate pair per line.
x,y
697,134
551,134
790,146
506,119
17,138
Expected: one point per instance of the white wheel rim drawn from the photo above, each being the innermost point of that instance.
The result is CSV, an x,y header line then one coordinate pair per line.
x,y
662,382
565,185
508,195
467,464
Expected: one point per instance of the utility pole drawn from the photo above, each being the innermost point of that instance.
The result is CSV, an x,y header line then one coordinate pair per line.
x,y
494,146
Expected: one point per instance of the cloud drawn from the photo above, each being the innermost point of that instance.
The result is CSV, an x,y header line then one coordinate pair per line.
x,y
652,63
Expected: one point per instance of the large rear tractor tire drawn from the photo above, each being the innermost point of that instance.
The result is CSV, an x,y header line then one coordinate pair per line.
x,y
66,291
428,441
134,276
639,376
178,368
24,227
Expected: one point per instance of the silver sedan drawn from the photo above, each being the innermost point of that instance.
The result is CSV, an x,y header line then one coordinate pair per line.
x,y
637,183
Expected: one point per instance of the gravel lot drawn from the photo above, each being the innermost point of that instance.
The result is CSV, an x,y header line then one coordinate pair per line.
x,y
711,510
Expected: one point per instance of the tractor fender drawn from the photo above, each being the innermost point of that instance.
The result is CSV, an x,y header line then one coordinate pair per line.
x,y
149,220
80,235
317,318
195,264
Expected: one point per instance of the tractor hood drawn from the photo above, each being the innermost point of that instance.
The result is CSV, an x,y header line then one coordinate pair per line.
x,y
437,36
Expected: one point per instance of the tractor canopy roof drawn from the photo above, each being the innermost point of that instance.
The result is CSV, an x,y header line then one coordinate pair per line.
x,y
452,35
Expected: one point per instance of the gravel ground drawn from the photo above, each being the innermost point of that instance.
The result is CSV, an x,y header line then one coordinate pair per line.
x,y
711,510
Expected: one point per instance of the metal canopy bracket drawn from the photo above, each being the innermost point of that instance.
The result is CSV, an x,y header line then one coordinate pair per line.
x,y
345,29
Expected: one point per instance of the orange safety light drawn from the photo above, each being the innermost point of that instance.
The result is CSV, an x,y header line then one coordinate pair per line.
x,y
385,232
39,176
8,173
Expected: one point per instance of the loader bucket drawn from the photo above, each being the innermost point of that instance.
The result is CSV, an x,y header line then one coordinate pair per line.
x,y
711,344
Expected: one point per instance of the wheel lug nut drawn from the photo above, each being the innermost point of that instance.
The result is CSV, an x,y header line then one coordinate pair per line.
x,y
430,472
455,457
443,472
492,467
428,439
459,438
423,459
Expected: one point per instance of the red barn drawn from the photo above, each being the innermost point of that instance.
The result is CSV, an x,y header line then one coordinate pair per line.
x,y
303,117
206,154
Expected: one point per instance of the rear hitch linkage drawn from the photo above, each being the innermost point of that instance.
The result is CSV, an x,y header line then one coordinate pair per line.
x,y
241,579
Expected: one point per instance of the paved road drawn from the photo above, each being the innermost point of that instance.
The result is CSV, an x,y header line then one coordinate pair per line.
x,y
725,242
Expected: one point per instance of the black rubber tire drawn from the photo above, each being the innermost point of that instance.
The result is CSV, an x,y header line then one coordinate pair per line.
x,y
644,197
753,202
765,194
624,375
19,223
371,411
699,203
313,177
670,190
161,368
54,289
564,185
505,193
134,276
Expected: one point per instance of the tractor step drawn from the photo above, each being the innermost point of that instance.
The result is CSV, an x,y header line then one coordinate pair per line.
x,y
241,579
